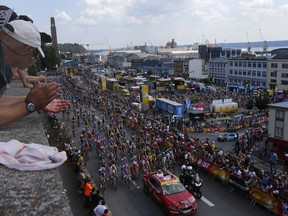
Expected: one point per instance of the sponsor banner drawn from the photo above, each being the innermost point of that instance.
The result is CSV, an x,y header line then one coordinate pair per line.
x,y
103,82
144,95
238,183
205,165
267,200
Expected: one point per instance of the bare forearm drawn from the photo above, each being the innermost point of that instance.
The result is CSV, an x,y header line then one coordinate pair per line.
x,y
12,113
8,100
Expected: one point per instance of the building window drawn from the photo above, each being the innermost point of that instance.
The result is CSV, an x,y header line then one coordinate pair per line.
x,y
253,73
273,74
231,72
244,64
274,65
279,132
279,115
259,64
284,82
249,64
285,65
254,64
231,63
249,73
264,74
264,64
284,75
258,74
240,64
244,73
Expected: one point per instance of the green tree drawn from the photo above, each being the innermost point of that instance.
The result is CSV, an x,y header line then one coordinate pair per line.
x,y
149,72
207,81
51,58
261,102
250,104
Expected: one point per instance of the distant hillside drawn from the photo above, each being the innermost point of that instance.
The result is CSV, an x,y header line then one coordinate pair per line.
x,y
71,48
257,44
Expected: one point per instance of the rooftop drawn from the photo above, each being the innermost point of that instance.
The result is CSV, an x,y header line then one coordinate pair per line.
x,y
279,105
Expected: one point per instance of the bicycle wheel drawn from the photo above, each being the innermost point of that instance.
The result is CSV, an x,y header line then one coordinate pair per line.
x,y
128,182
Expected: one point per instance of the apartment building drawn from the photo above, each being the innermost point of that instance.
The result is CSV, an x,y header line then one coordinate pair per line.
x,y
277,67
278,127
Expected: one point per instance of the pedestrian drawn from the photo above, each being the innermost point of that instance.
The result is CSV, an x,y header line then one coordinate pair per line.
x,y
95,200
88,187
273,160
100,209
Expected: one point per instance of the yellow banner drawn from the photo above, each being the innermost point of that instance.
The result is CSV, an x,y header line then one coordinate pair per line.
x,y
103,82
144,94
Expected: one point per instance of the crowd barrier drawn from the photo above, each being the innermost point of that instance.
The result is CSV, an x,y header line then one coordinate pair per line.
x,y
257,195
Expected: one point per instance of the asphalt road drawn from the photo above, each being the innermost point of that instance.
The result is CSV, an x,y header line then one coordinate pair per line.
x,y
216,200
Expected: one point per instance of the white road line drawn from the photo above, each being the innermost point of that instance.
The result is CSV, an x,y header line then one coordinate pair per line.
x,y
207,201
135,184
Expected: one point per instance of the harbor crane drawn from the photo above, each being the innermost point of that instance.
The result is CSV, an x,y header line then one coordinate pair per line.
x,y
265,46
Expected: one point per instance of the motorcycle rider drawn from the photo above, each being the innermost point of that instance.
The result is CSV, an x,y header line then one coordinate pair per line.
x,y
184,177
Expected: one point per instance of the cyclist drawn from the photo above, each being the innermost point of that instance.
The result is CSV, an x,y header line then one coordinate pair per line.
x,y
135,168
124,161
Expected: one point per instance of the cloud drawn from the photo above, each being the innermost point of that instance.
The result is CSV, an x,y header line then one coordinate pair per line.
x,y
62,17
255,3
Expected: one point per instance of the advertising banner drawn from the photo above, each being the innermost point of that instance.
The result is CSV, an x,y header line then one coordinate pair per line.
x,y
103,82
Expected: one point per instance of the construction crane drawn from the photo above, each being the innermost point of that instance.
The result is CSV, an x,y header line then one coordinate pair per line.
x,y
206,41
249,44
265,46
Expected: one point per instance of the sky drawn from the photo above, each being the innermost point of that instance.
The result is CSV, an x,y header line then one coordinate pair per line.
x,y
121,23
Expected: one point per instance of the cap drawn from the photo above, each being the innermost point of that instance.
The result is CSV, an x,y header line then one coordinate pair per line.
x,y
26,33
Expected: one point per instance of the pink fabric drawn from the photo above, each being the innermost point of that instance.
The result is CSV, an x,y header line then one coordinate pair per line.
x,y
30,157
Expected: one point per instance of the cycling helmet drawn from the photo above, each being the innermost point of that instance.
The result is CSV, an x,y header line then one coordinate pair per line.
x,y
183,167
189,168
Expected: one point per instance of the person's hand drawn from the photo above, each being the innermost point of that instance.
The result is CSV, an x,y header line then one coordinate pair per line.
x,y
41,96
30,81
57,105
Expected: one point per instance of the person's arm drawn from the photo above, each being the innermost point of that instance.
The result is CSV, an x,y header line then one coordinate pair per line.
x,y
12,112
40,96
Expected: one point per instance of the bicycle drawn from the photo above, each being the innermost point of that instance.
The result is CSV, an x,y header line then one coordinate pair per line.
x,y
114,182
126,180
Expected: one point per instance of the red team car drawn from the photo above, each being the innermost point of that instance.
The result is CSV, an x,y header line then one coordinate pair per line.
x,y
166,189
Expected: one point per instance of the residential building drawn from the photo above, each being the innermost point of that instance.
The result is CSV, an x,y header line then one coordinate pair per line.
x,y
160,67
277,67
278,127
217,70
248,71
207,53
192,68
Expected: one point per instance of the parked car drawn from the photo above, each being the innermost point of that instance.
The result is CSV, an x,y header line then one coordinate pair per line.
x,y
167,190
227,136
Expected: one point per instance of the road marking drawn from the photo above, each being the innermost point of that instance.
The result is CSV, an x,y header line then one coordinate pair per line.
x,y
135,184
207,201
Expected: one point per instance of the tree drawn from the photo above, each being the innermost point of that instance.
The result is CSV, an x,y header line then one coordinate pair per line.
x,y
207,81
261,102
149,72
250,104
51,58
